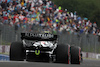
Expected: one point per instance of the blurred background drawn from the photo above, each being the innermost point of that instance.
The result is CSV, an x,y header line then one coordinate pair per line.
x,y
75,21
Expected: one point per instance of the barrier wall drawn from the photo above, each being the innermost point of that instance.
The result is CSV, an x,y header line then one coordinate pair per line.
x,y
5,49
4,57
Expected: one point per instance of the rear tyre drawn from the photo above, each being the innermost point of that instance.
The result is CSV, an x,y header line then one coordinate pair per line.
x,y
62,54
17,52
75,55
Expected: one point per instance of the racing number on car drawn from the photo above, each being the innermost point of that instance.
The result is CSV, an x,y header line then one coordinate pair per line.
x,y
37,52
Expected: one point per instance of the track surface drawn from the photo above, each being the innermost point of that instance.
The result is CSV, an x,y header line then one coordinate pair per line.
x,y
85,63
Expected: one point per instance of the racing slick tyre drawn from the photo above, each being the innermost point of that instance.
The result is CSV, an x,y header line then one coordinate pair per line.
x,y
75,55
62,53
17,52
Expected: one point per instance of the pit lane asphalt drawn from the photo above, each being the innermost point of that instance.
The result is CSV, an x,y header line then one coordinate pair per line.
x,y
85,63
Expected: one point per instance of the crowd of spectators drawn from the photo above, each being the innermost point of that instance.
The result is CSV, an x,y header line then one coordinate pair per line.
x,y
46,14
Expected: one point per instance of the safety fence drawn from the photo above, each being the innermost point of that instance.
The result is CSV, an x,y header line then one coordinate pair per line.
x,y
88,42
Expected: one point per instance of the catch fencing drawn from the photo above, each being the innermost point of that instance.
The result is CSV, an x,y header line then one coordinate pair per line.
x,y
88,42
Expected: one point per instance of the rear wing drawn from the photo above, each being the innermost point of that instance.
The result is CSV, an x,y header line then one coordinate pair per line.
x,y
39,37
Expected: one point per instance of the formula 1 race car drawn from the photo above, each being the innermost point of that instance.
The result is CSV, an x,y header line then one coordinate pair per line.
x,y
44,48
